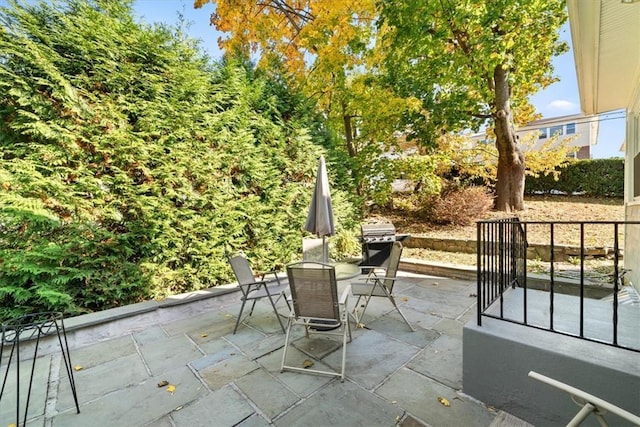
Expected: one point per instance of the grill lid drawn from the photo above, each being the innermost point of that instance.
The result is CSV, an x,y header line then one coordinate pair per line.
x,y
385,229
378,232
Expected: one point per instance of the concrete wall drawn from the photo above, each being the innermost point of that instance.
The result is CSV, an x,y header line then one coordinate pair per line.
x,y
498,356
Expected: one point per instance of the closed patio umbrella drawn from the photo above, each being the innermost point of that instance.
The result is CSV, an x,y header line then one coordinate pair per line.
x,y
320,218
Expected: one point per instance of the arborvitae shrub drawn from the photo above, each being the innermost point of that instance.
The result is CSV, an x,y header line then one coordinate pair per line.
x,y
131,165
595,178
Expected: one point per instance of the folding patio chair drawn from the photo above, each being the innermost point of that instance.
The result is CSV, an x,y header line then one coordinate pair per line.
x,y
254,289
314,293
588,403
379,283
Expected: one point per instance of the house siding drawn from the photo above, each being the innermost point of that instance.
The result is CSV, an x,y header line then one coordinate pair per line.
x,y
632,199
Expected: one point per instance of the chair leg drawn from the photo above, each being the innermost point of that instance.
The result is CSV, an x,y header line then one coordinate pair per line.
x,y
355,313
393,301
275,311
364,309
286,343
253,306
244,301
374,284
286,300
344,349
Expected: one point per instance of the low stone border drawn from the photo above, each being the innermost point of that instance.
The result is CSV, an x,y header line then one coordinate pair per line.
x,y
562,253
454,271
112,314
563,285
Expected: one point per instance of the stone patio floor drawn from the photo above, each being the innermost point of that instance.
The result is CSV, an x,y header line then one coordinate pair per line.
x,y
394,377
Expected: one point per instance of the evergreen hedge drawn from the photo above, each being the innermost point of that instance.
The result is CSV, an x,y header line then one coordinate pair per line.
x,y
596,178
131,165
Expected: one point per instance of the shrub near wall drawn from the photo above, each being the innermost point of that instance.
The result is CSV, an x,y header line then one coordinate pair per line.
x,y
131,165
595,178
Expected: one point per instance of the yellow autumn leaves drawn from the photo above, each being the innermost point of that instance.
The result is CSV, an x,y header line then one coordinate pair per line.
x,y
170,388
444,401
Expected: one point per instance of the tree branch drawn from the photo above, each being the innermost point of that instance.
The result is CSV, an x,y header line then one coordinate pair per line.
x,y
480,116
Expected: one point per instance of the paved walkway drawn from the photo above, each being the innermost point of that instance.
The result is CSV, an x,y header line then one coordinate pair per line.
x,y
394,376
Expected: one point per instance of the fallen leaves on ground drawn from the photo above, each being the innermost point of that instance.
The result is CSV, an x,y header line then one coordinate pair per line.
x,y
444,401
163,383
307,364
77,368
171,388
537,208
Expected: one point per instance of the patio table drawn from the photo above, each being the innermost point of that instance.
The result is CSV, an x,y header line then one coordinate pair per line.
x,y
345,270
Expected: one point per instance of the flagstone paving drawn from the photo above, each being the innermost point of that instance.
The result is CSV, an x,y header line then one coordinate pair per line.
x,y
394,377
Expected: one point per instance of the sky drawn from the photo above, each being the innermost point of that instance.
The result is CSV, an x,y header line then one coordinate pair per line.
x,y
559,99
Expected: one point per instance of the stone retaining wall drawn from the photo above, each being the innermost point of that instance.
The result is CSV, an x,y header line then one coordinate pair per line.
x,y
534,252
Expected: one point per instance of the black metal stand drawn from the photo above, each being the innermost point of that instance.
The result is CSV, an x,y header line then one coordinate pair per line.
x,y
27,328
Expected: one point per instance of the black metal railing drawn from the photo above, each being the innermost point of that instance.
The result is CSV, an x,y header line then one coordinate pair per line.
x,y
502,252
502,248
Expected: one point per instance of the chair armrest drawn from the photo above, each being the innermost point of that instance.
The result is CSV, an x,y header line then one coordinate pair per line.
x,y
372,268
365,280
275,277
257,282
345,295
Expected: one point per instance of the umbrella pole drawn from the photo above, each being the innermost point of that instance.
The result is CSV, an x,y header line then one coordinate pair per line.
x,y
325,250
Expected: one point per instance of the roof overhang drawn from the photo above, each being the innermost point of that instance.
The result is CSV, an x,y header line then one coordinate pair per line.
x,y
606,47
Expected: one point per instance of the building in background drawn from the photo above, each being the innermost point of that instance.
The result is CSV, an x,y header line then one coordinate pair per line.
x,y
579,130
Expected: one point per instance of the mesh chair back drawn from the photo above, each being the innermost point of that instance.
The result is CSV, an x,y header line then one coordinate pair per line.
x,y
242,269
314,290
392,267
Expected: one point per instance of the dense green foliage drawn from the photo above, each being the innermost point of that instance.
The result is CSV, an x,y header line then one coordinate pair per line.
x,y
131,165
473,63
597,178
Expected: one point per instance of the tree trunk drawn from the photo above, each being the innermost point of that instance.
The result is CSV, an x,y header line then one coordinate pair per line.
x,y
511,165
348,131
351,148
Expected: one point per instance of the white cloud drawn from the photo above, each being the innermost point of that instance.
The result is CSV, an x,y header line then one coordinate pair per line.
x,y
562,105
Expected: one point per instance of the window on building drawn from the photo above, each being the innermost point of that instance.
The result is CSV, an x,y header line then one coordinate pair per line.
x,y
543,133
571,128
555,130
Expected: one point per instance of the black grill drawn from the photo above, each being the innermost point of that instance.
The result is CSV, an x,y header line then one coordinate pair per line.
x,y
377,240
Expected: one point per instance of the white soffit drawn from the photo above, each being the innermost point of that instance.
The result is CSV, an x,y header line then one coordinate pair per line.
x,y
606,43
